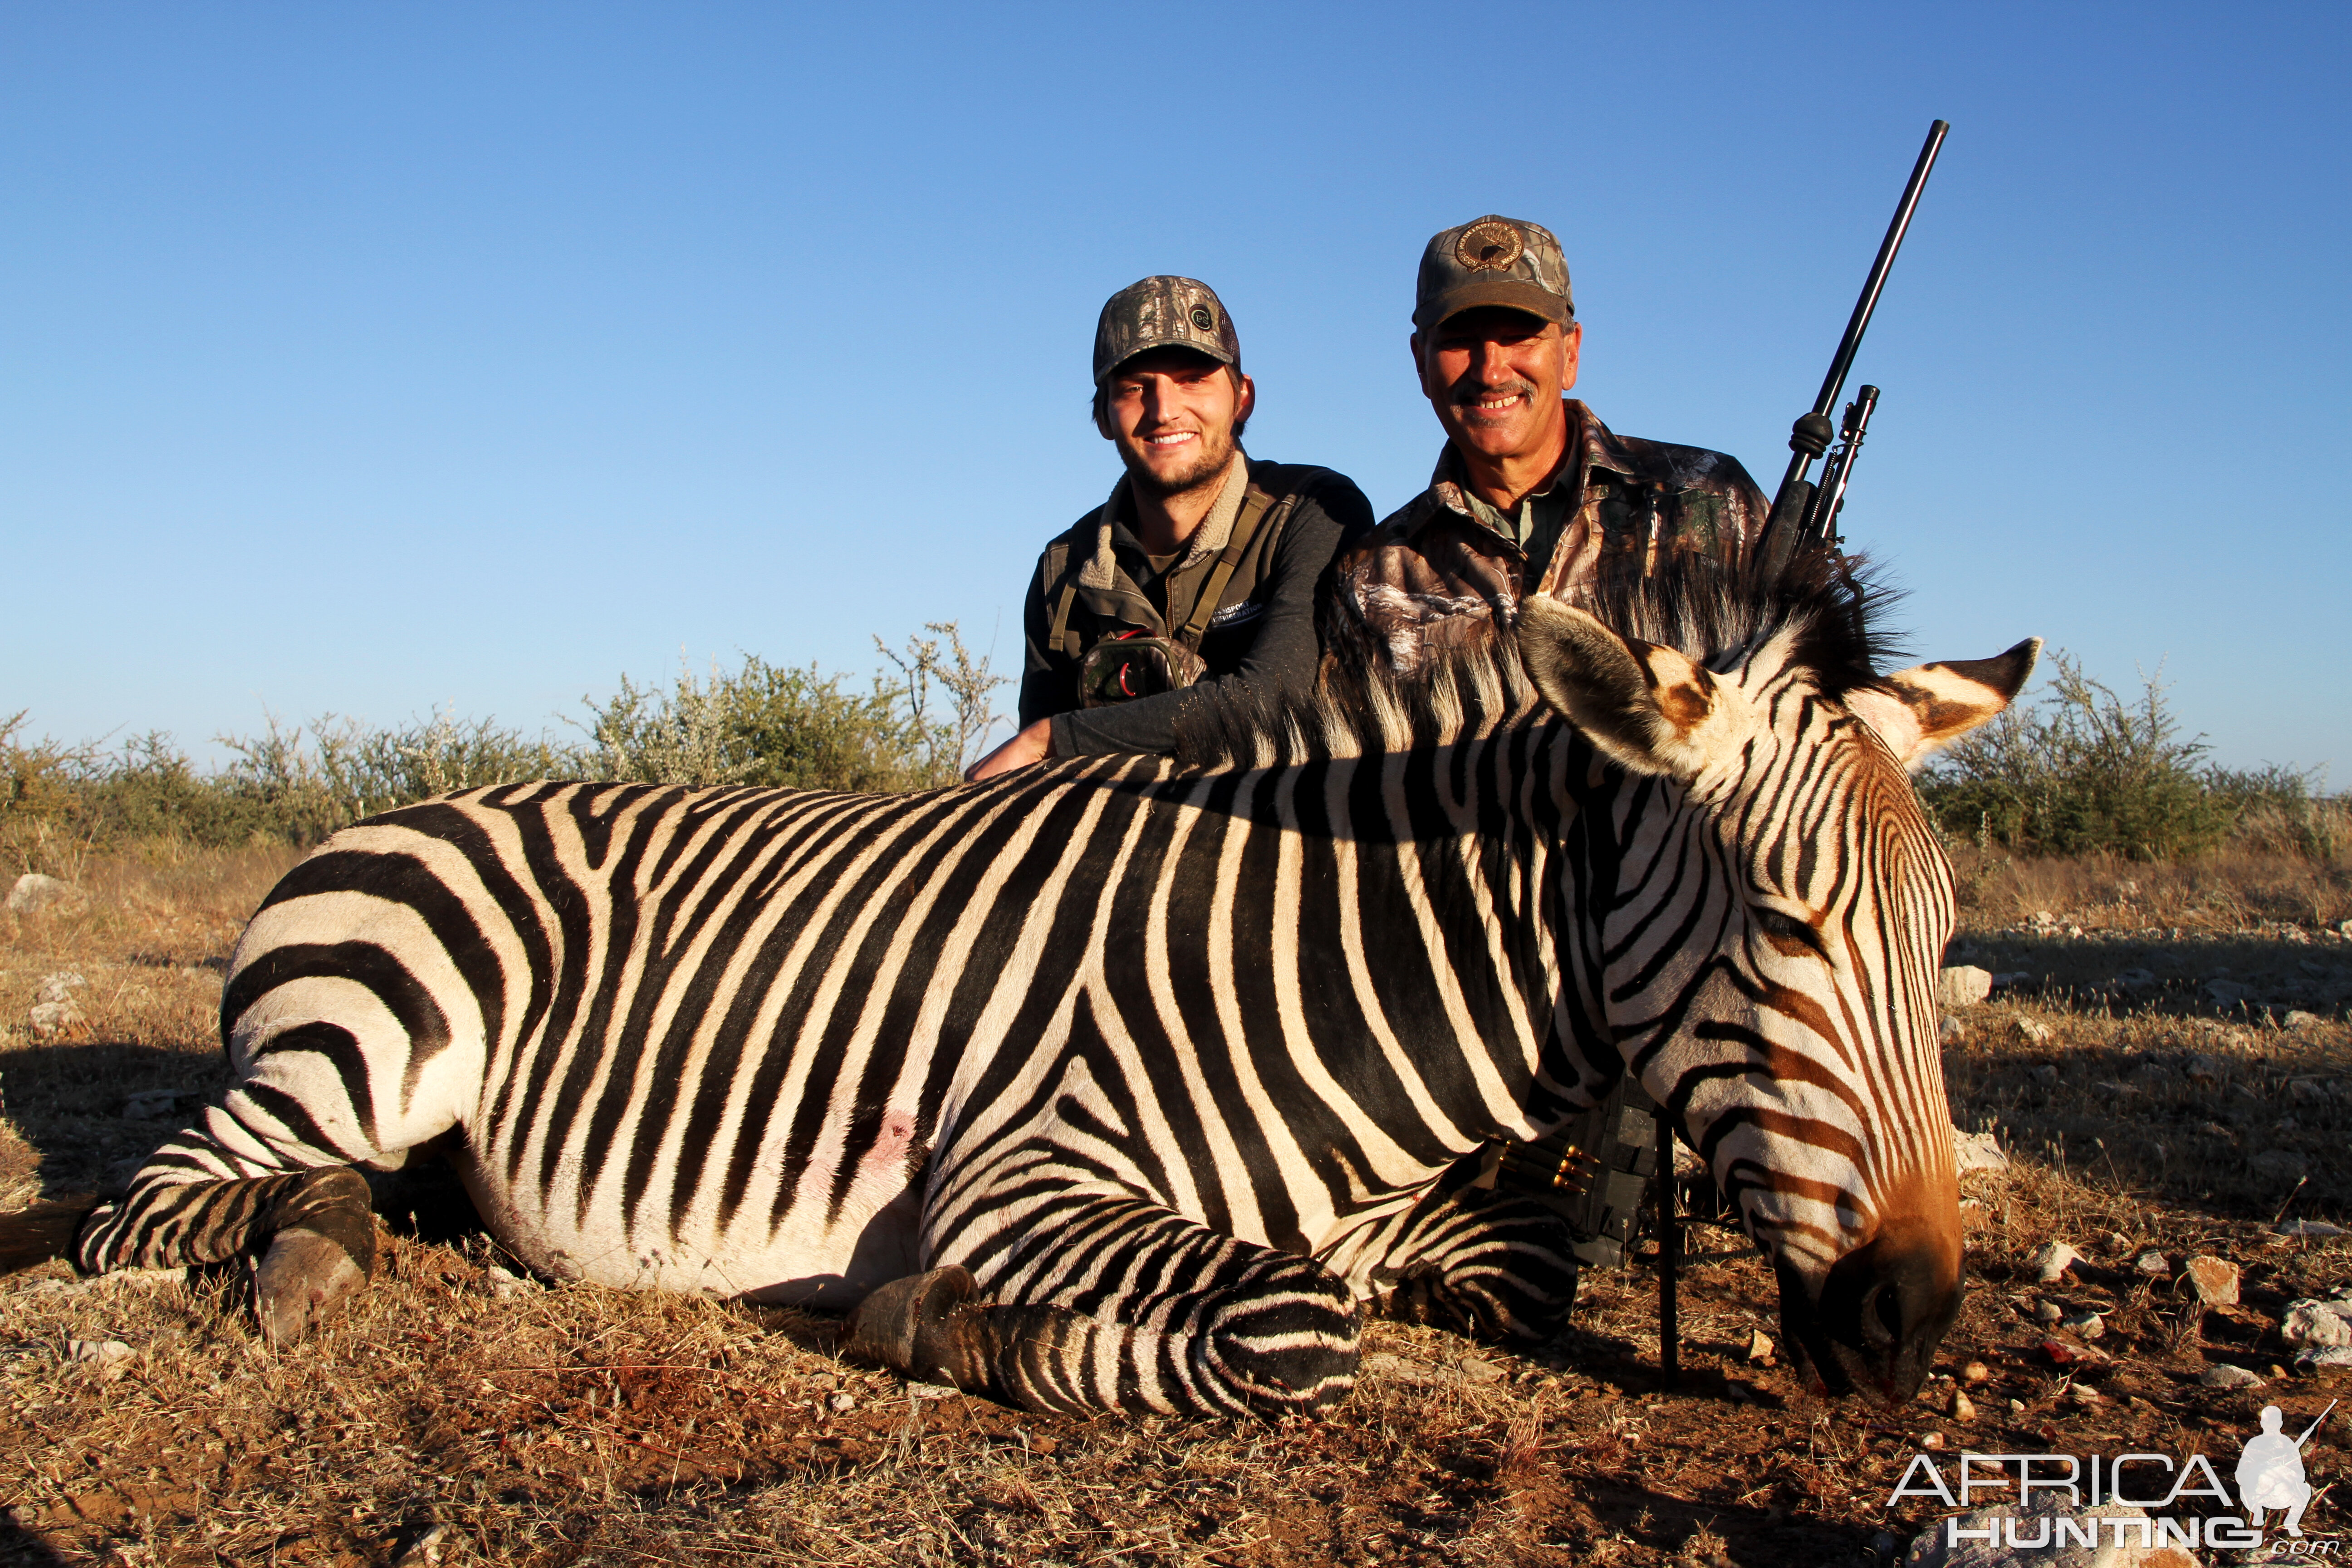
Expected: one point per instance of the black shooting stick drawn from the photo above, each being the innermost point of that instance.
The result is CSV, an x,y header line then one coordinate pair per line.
x,y
1670,1258
1793,511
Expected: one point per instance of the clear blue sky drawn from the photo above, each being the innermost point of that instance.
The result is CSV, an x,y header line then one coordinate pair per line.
x,y
372,358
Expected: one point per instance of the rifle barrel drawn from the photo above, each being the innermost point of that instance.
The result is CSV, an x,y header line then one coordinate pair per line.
x,y
1834,382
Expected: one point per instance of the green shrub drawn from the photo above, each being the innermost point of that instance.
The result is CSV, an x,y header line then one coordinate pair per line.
x,y
2082,770
762,724
801,729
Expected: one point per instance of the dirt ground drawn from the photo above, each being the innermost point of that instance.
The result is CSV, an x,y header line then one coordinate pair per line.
x,y
461,1414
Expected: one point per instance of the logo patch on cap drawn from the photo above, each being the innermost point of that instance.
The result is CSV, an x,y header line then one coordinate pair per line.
x,y
1489,246
1202,319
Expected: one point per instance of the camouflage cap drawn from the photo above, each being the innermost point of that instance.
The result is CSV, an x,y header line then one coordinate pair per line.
x,y
1162,313
1492,262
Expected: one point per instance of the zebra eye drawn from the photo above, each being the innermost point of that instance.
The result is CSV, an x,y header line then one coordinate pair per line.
x,y
1784,927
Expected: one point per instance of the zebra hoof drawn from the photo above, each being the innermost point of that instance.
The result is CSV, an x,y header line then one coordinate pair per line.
x,y
303,1279
914,1327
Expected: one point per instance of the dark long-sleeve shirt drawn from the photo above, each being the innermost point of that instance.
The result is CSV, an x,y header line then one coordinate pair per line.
x,y
1263,633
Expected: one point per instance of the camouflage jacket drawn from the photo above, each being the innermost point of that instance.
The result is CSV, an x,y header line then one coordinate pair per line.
x,y
1433,575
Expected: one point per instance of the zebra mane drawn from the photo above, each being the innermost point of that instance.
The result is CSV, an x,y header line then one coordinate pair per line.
x,y
1716,612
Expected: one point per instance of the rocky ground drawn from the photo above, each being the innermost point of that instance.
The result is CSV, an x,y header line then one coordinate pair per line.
x,y
2147,1099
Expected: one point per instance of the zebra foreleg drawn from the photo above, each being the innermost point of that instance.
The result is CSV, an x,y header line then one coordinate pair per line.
x,y
1488,1265
312,1227
1099,1327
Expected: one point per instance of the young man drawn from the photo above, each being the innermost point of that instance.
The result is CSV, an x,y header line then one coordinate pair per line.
x,y
1202,567
1532,494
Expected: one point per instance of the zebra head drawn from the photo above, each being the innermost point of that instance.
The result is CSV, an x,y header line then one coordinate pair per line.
x,y
1773,924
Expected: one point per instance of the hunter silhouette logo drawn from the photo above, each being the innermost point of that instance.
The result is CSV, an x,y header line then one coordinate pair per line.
x,y
2270,1472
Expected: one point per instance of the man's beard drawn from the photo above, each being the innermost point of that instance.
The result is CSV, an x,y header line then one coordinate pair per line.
x,y
1207,467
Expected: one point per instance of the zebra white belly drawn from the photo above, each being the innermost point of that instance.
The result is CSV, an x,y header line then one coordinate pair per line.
x,y
874,1240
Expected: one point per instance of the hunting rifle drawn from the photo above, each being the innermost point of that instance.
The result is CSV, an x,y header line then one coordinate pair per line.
x,y
1804,512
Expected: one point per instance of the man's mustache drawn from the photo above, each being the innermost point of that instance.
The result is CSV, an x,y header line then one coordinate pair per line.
x,y
1467,392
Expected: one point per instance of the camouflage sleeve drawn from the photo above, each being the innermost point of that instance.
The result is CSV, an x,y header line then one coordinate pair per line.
x,y
1715,507
1745,508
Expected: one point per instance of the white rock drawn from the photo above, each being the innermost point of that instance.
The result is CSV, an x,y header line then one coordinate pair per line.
x,y
2298,1019
2034,1031
1963,985
2225,993
2152,1263
2137,979
99,1351
1978,1152
2221,1374
2051,1263
49,1020
504,1284
34,892
843,1402
1950,1031
2316,1322
153,1104
2084,1323
1759,1345
2310,1227
2333,1355
109,1358
59,987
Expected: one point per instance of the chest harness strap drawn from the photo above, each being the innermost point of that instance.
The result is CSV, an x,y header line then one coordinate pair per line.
x,y
1254,508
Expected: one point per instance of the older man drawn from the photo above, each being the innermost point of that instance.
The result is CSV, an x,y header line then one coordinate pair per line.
x,y
1202,567
1532,494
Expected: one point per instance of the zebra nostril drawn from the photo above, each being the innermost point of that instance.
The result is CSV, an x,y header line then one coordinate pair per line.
x,y
1881,1318
1888,1310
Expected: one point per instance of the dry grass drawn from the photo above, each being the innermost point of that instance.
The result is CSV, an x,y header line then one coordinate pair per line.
x,y
574,1425
2230,889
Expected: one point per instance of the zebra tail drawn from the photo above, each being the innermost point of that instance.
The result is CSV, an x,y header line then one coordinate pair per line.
x,y
35,1234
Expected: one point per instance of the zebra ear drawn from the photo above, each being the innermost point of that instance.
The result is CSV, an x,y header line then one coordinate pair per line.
x,y
1934,704
1646,707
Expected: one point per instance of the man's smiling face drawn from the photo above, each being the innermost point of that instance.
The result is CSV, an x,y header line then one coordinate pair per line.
x,y
1496,375
1172,413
